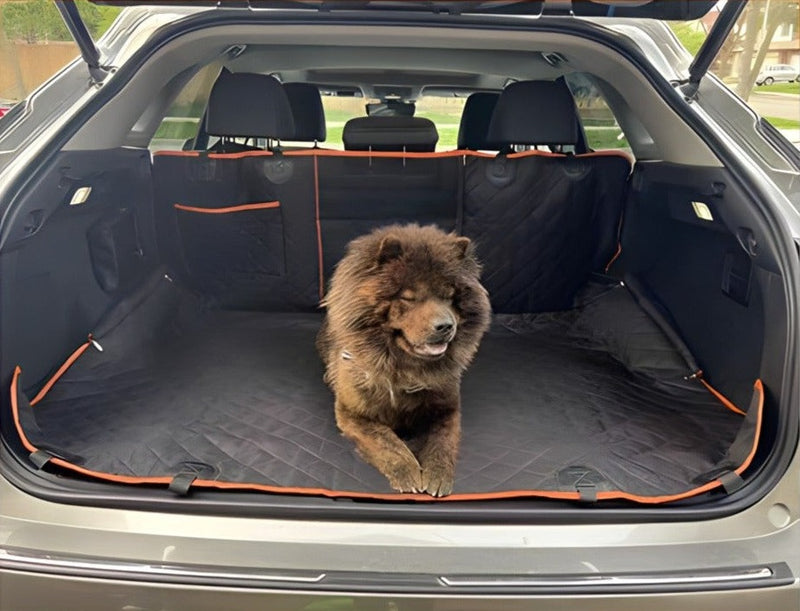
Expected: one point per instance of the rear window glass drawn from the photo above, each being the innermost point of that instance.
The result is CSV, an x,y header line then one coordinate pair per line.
x,y
599,122
182,121
445,112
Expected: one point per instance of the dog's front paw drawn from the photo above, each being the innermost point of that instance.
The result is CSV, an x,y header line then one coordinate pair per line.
x,y
405,475
437,481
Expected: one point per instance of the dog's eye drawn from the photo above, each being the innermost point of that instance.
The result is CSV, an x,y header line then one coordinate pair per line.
x,y
407,296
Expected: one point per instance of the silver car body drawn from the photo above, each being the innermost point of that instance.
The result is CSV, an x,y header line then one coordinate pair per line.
x,y
66,555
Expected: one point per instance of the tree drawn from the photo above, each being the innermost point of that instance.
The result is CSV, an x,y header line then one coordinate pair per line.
x,y
748,42
34,21
9,59
771,15
39,20
689,36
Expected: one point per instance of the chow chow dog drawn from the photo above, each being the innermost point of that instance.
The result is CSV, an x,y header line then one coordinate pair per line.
x,y
405,314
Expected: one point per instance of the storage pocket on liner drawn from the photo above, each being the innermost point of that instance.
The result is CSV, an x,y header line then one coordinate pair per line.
x,y
233,245
115,251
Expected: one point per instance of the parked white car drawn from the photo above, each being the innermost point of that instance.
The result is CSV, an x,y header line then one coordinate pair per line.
x,y
776,73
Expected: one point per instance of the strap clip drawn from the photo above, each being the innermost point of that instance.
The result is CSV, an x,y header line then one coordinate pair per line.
x,y
181,483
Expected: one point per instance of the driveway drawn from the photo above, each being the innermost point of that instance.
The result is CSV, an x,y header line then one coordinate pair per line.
x,y
781,105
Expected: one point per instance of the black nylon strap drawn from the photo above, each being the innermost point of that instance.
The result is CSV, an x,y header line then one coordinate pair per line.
x,y
181,483
40,458
588,493
731,481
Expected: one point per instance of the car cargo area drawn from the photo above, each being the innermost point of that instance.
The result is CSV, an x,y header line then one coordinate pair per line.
x,y
170,340
159,309
590,401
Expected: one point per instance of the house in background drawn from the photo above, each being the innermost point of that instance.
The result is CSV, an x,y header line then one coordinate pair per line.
x,y
784,48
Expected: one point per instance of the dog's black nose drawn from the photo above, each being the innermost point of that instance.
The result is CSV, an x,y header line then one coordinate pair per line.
x,y
443,327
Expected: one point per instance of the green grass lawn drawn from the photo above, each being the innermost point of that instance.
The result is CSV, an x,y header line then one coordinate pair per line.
x,y
778,88
784,123
334,115
177,130
606,138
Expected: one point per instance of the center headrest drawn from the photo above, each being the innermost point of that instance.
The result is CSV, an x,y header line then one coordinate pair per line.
x,y
535,112
244,104
412,134
309,115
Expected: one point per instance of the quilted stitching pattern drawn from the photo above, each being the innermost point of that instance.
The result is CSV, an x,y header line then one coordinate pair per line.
x,y
542,234
243,393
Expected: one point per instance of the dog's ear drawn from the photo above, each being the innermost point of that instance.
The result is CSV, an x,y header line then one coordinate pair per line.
x,y
462,246
390,248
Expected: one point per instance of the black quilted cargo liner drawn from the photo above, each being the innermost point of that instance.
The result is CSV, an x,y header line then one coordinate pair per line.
x,y
590,403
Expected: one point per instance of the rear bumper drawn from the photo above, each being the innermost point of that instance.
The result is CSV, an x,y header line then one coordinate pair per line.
x,y
62,556
21,590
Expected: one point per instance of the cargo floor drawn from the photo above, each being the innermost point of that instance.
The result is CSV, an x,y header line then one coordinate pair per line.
x,y
548,406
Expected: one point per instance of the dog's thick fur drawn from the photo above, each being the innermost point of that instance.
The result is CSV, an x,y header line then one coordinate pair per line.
x,y
405,314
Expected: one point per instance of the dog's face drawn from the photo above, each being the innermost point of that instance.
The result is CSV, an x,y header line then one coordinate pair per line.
x,y
410,292
420,288
422,319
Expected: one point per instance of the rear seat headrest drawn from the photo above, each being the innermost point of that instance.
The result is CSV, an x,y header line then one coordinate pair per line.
x,y
412,134
244,104
475,119
535,112
309,115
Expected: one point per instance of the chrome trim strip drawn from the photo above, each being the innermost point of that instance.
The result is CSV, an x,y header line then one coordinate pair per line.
x,y
34,562
612,580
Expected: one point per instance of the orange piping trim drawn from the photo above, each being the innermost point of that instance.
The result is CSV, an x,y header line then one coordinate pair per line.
x,y
61,370
390,154
319,229
176,154
608,153
508,494
615,257
535,154
15,411
327,153
721,398
242,208
759,387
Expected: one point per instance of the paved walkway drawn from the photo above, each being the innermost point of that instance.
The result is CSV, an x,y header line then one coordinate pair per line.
x,y
792,135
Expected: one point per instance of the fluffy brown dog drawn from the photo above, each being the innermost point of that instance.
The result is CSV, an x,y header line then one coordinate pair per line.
x,y
406,312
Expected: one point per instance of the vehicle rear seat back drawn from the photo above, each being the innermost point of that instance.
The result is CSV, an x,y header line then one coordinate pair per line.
x,y
241,226
360,193
542,222
265,230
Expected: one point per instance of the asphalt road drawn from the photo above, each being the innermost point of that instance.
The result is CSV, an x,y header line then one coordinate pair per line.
x,y
783,106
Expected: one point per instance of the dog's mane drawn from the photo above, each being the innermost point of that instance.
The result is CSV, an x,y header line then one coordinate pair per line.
x,y
362,288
